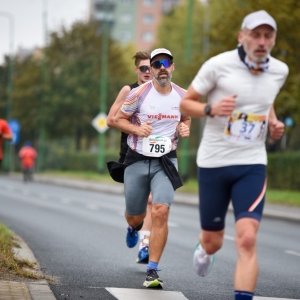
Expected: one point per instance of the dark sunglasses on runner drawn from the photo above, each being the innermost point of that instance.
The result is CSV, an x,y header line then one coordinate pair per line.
x,y
144,69
167,63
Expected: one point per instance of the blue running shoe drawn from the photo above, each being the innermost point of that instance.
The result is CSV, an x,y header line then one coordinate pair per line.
x,y
132,237
143,256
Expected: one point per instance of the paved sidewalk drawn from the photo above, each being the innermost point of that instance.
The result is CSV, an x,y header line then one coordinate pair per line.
x,y
40,290
29,290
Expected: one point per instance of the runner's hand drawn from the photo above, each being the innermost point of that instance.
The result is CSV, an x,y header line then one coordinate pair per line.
x,y
276,129
224,107
183,130
145,129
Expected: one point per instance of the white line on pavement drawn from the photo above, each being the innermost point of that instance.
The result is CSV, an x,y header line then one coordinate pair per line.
x,y
172,224
292,252
228,237
65,200
135,294
270,298
92,207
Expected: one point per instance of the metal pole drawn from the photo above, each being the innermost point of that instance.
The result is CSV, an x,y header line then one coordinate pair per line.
x,y
103,87
188,57
42,133
7,151
205,48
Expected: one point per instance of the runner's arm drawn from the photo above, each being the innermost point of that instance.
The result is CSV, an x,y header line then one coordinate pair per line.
x,y
116,105
191,106
122,123
276,127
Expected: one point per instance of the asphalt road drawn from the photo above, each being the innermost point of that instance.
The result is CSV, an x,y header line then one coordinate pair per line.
x,y
78,237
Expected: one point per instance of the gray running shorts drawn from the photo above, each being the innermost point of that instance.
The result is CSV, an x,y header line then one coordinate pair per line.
x,y
143,177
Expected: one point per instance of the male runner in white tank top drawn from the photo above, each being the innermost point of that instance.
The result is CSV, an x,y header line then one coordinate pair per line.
x,y
241,86
151,117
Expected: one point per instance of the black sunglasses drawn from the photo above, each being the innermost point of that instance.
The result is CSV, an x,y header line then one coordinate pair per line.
x,y
167,63
144,69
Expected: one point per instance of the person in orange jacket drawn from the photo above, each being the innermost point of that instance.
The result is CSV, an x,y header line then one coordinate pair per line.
x,y
27,155
5,134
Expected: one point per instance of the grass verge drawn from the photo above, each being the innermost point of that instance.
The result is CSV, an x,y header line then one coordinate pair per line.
x,y
10,265
289,198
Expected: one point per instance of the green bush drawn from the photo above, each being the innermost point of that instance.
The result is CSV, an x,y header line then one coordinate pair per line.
x,y
283,171
283,168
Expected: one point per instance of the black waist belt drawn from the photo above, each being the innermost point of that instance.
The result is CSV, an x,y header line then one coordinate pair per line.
x,y
116,169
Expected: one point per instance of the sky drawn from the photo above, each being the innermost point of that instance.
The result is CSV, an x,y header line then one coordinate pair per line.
x,y
28,22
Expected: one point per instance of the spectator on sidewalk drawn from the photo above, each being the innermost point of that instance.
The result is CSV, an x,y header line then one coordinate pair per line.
x,y
27,155
5,134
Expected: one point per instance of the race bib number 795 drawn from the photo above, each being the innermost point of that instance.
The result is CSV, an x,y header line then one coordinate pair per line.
x,y
156,145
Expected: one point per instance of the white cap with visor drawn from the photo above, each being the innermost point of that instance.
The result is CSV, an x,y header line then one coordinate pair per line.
x,y
160,51
258,18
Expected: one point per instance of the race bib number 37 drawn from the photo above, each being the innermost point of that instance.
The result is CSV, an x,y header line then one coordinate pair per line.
x,y
246,128
156,145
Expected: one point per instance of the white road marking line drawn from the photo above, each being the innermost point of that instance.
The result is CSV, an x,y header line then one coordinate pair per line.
x,y
228,237
92,207
135,294
270,298
172,224
65,200
44,196
26,192
292,252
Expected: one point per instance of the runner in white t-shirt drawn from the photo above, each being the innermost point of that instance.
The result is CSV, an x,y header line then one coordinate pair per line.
x,y
241,86
151,117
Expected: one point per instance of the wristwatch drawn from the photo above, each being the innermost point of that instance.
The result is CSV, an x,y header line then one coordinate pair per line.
x,y
207,110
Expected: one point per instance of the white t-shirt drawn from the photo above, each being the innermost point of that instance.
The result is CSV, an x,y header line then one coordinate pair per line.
x,y
145,103
239,139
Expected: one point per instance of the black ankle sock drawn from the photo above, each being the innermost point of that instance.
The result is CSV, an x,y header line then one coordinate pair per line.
x,y
139,227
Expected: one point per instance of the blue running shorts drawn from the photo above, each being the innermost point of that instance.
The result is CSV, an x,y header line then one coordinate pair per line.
x,y
244,185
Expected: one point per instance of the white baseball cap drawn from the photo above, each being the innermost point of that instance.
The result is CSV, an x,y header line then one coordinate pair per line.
x,y
160,51
258,18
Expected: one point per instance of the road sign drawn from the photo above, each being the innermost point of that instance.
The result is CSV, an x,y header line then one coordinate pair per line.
x,y
15,127
289,122
99,122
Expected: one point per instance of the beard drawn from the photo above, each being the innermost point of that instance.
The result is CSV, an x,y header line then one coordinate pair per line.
x,y
163,81
255,58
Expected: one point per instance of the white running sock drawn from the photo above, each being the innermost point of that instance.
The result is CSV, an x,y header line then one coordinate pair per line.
x,y
144,238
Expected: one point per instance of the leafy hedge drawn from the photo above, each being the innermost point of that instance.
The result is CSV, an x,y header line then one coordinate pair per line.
x,y
283,168
284,171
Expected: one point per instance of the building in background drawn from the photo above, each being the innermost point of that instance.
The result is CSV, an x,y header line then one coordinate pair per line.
x,y
132,21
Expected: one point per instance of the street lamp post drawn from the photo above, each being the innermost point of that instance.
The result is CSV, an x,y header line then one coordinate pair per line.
x,y
42,132
188,58
10,18
103,85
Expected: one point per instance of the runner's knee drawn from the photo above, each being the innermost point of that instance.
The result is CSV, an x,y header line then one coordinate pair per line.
x,y
212,241
160,213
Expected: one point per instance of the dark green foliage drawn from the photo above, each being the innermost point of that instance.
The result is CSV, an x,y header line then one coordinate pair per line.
x,y
283,171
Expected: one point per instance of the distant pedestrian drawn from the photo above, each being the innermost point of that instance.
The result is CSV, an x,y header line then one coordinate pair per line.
x,y
28,156
5,134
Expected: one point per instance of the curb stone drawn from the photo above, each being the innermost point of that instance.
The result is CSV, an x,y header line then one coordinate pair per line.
x,y
33,290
